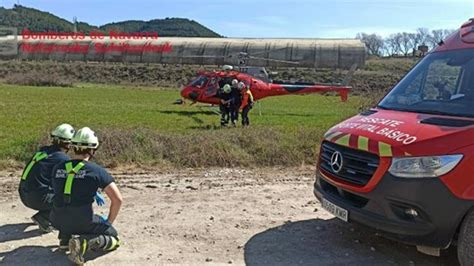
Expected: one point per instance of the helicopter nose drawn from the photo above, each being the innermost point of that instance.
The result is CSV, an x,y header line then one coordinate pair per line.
x,y
193,95
184,93
189,93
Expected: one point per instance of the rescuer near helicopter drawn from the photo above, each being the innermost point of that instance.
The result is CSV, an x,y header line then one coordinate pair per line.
x,y
247,103
225,103
236,101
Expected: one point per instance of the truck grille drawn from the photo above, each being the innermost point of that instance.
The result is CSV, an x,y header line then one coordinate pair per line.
x,y
358,166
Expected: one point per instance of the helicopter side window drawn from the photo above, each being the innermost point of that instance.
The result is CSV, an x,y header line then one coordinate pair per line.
x,y
199,82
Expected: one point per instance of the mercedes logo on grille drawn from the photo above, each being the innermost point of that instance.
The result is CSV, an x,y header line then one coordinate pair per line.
x,y
336,162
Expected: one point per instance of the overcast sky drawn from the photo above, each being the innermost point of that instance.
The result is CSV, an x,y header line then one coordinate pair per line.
x,y
272,18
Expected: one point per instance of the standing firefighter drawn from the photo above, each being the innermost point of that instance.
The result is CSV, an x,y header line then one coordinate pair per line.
x,y
35,185
247,103
75,184
236,101
225,103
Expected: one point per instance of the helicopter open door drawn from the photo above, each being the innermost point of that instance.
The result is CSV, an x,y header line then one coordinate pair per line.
x,y
212,87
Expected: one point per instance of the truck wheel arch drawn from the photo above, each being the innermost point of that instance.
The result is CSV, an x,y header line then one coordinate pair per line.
x,y
465,247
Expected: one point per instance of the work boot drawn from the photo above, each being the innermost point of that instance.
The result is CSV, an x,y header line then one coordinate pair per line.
x,y
77,249
43,224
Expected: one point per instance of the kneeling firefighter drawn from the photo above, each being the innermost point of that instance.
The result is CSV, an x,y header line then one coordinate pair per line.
x,y
75,185
35,184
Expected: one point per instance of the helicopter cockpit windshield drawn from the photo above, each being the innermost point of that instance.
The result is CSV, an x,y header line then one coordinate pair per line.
x,y
199,82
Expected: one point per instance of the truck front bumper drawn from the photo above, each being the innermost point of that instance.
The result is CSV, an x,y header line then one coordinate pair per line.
x,y
419,212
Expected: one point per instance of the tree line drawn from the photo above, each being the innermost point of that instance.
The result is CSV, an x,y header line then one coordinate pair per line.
x,y
22,17
403,43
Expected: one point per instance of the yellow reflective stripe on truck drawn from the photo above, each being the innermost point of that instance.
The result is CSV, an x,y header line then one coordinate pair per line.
x,y
363,143
385,150
382,149
344,140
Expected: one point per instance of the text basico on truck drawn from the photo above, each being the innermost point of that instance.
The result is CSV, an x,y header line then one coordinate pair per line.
x,y
406,167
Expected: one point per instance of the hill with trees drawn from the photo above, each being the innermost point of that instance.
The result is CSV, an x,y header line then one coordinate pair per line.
x,y
38,21
164,27
35,20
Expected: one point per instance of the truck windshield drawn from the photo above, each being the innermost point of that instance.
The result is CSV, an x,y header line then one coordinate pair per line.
x,y
442,83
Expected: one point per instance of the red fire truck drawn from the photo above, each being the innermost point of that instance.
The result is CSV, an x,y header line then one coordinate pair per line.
x,y
406,166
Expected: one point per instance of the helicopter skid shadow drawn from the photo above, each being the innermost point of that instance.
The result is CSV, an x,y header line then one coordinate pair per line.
x,y
190,114
187,113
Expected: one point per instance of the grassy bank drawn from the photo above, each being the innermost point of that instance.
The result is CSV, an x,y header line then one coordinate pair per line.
x,y
140,125
376,75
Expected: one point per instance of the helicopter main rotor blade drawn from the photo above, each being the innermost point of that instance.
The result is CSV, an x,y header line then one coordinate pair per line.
x,y
274,60
269,51
204,56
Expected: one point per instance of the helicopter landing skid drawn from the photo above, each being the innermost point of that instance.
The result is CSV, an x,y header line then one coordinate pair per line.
x,y
179,101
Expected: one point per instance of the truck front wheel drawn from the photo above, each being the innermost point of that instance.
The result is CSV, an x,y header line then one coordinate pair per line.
x,y
466,240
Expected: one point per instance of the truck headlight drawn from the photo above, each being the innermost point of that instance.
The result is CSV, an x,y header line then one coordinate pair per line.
x,y
419,167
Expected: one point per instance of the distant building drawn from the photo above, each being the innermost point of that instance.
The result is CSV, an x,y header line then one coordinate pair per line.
x,y
309,53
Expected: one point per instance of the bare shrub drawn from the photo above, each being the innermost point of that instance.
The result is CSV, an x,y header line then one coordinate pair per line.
x,y
255,146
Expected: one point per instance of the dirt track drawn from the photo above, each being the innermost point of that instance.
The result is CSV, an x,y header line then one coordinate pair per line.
x,y
219,216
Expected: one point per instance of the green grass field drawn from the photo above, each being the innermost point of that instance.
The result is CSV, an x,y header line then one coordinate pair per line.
x,y
141,125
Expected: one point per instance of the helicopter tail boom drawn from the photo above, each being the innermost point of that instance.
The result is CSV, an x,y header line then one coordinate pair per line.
x,y
284,89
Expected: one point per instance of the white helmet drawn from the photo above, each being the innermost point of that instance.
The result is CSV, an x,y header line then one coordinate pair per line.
x,y
227,67
85,138
63,132
241,85
226,88
234,83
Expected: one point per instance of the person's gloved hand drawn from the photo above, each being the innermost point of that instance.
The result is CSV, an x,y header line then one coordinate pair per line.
x,y
99,199
104,219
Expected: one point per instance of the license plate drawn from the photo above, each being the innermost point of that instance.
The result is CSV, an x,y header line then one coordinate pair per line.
x,y
335,210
